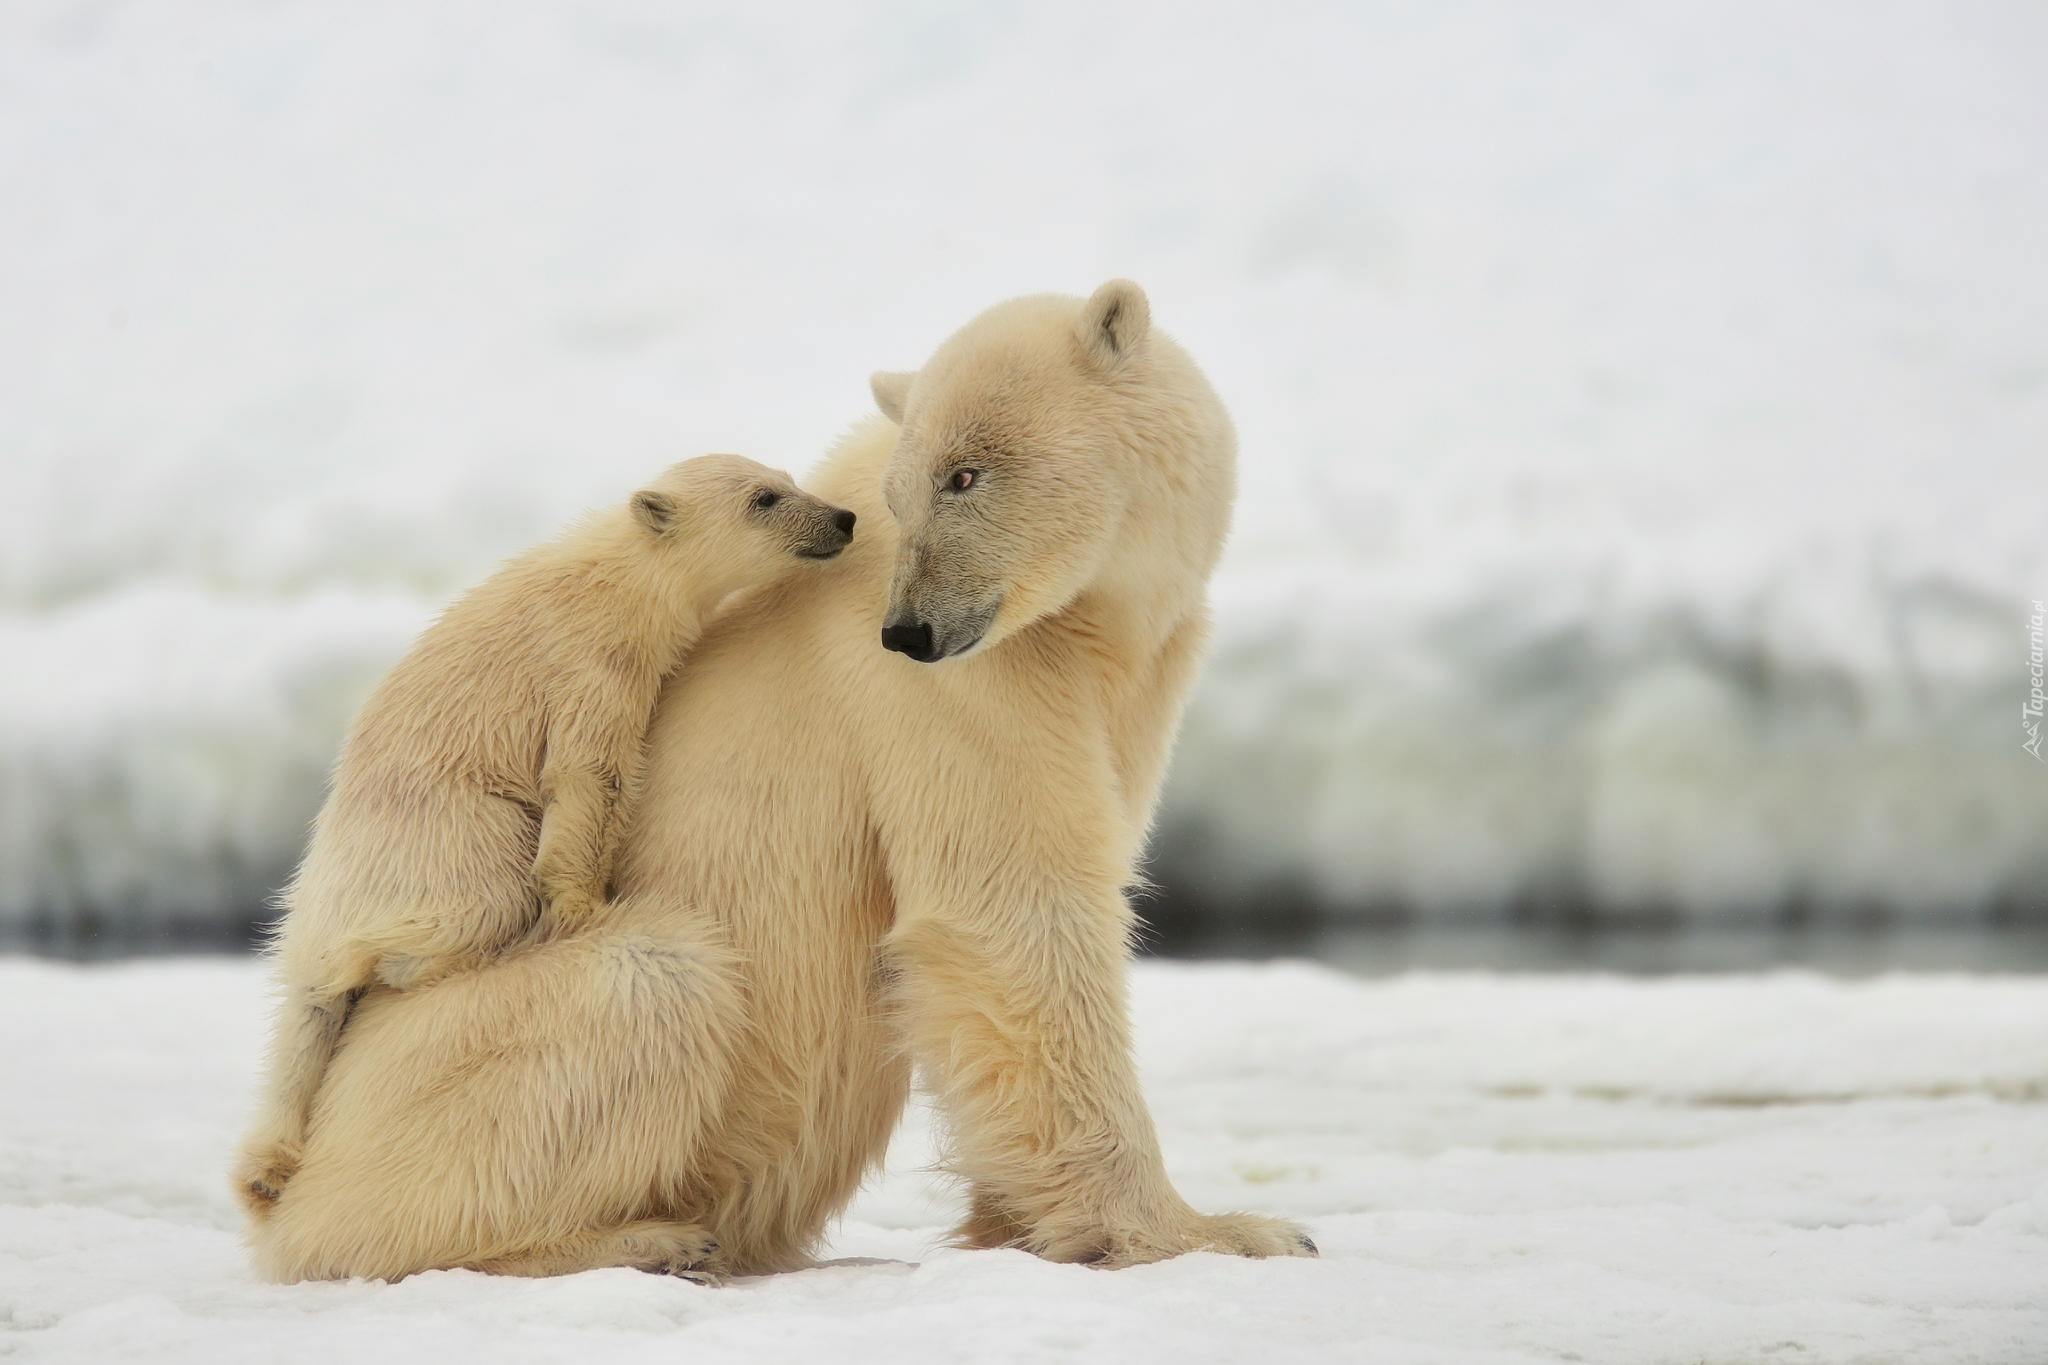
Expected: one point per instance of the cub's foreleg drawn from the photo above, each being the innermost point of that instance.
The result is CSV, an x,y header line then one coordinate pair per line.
x,y
586,787
578,838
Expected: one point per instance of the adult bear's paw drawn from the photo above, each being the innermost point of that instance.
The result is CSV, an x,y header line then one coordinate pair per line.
x,y
683,1250
1251,1234
1232,1234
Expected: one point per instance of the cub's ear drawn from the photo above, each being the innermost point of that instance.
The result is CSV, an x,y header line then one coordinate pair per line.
x,y
890,388
1114,322
655,511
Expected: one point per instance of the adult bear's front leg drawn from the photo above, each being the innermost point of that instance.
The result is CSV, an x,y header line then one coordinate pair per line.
x,y
1014,995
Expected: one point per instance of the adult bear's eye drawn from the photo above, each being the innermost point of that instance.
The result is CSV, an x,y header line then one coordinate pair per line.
x,y
963,479
766,498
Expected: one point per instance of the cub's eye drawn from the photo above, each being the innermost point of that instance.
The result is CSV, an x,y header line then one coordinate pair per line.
x,y
766,498
963,479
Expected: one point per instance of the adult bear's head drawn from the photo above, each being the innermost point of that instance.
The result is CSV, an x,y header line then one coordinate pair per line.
x,y
1050,446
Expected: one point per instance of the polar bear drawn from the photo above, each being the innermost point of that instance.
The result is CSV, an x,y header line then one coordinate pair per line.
x,y
886,820
482,788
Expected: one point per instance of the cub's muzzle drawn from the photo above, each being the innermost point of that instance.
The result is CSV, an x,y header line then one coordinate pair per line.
x,y
829,541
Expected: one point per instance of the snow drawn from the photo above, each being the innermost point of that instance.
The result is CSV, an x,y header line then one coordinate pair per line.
x,y
1498,1169
1642,409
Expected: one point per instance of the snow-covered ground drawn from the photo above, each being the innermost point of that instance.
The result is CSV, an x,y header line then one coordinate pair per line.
x,y
1644,408
1499,1169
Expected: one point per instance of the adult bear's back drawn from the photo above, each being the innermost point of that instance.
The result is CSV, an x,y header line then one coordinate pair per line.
x,y
755,757
754,814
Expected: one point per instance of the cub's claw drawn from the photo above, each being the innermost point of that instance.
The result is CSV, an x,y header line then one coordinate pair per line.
x,y
260,1179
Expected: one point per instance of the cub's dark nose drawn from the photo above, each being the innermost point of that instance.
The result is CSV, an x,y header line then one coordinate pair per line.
x,y
912,640
844,521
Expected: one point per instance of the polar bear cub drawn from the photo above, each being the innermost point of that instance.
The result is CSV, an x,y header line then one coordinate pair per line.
x,y
480,793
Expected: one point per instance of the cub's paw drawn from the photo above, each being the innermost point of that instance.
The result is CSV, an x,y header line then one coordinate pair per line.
x,y
417,971
260,1176
572,903
405,971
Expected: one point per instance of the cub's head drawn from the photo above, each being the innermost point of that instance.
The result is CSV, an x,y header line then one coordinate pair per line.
x,y
738,521
1017,463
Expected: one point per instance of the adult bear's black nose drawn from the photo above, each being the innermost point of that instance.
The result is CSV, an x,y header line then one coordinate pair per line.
x,y
844,521
913,639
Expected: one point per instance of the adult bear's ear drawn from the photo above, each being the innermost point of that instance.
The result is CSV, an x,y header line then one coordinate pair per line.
x,y
655,511
890,388
1114,322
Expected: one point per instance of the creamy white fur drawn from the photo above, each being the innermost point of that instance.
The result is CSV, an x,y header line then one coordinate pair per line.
x,y
483,787
844,862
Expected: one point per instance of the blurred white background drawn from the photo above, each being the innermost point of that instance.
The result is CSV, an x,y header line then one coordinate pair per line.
x,y
1644,409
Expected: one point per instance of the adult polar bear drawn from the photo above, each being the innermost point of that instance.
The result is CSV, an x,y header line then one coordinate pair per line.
x,y
846,860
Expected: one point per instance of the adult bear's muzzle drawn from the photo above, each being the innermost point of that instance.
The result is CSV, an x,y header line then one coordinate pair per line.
x,y
912,638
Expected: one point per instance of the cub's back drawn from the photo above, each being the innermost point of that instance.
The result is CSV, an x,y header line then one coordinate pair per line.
x,y
472,698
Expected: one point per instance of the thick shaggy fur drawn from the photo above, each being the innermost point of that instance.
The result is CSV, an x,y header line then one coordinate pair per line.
x,y
481,792
845,861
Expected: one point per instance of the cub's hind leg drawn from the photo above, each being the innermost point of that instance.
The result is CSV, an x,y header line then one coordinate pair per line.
x,y
308,1026
498,1117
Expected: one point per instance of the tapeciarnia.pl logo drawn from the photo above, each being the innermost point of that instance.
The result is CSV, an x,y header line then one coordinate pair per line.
x,y
2030,713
